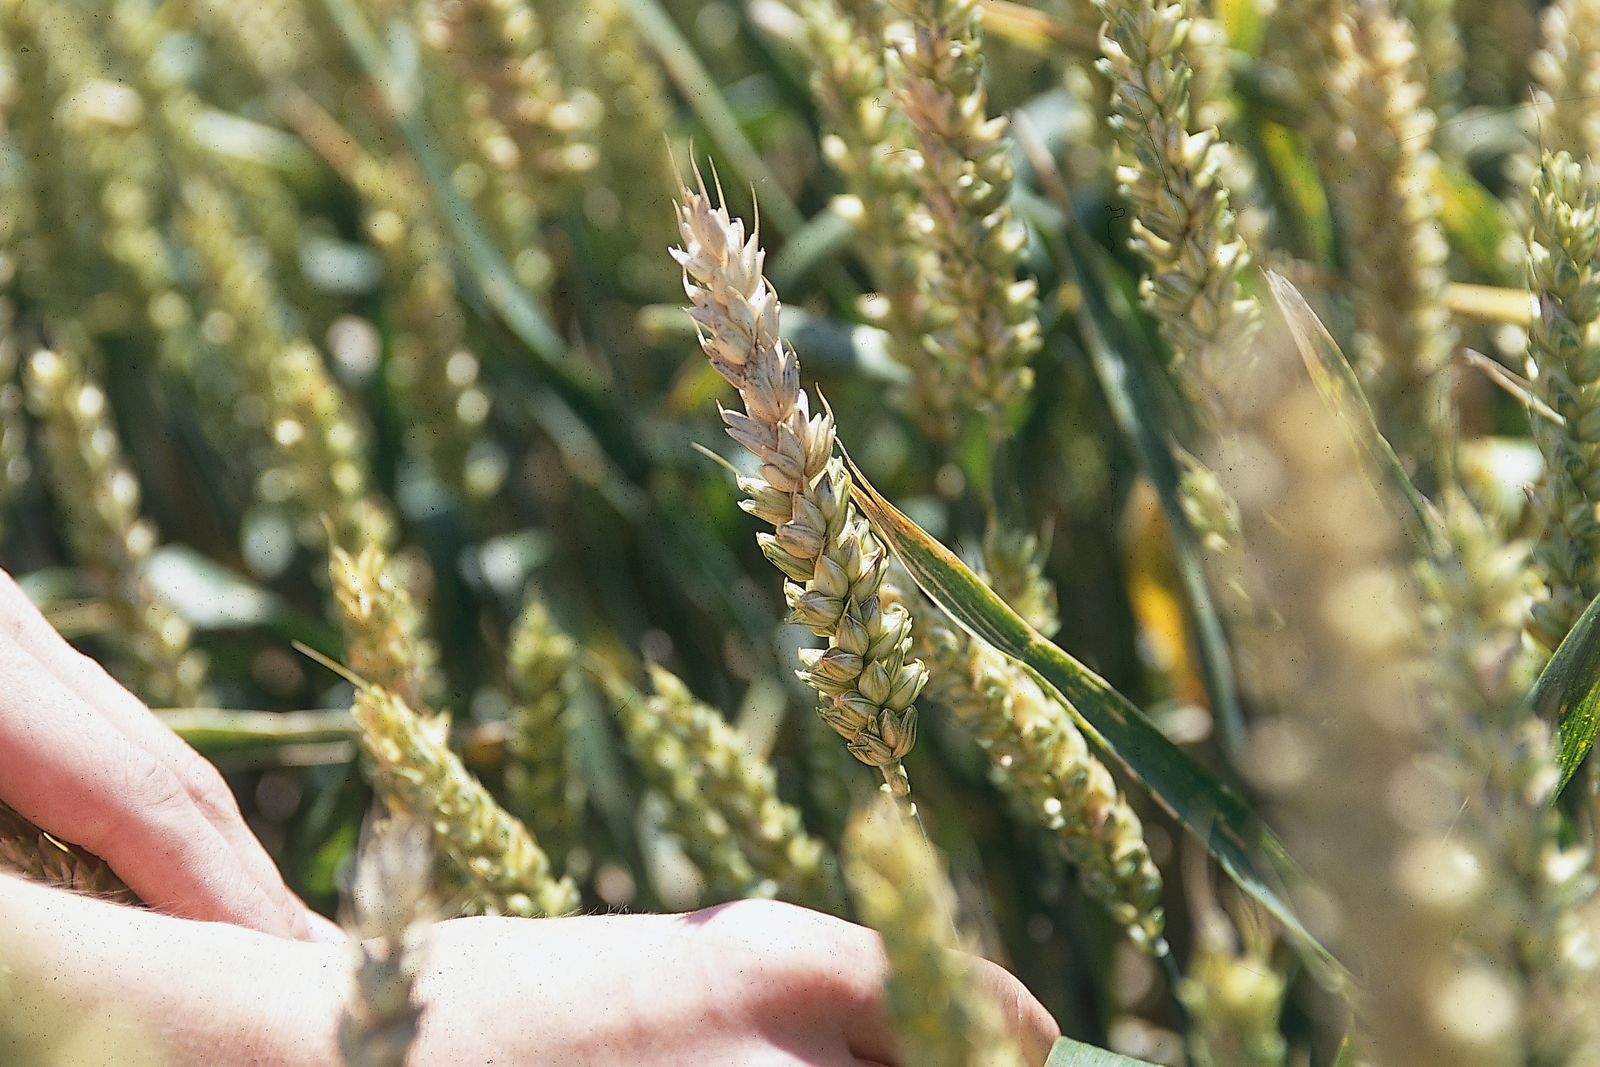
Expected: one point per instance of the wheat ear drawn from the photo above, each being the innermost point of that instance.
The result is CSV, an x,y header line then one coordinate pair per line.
x,y
502,869
1564,361
1529,929
789,863
1183,226
542,781
834,563
941,1017
29,850
1382,171
98,496
390,907
976,359
1566,72
384,636
1042,761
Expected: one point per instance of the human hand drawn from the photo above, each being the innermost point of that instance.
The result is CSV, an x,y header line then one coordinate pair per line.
x,y
84,759
749,984
753,983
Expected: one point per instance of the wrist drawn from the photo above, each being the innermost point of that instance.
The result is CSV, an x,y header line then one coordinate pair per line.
x,y
78,974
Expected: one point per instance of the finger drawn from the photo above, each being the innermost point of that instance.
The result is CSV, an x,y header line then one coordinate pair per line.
x,y
21,621
86,783
846,967
821,970
324,930
1034,1028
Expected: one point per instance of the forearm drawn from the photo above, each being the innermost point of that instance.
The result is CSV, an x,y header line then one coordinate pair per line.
x,y
83,975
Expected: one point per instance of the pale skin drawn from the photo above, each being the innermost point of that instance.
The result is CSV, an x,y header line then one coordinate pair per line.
x,y
229,967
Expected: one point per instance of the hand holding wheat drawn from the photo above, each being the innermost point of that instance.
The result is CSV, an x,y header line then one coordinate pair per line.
x,y
86,761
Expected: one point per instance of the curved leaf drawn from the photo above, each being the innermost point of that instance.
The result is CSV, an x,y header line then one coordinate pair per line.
x,y
1567,693
1218,818
1130,385
1336,382
1069,1053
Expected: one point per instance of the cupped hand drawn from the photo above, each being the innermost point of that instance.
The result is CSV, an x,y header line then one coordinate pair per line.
x,y
85,760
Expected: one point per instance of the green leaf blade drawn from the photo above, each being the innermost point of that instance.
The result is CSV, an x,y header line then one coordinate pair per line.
x,y
1567,694
1234,835
1069,1053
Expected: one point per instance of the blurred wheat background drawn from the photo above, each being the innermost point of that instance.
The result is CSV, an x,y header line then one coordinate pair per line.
x,y
350,413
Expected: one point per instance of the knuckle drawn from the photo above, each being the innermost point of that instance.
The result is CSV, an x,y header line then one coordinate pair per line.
x,y
150,784
807,956
140,793
207,788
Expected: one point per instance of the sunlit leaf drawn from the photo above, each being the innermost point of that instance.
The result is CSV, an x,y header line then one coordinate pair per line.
x,y
1069,1053
1567,694
1336,383
1245,23
1234,835
1292,165
1475,221
208,595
